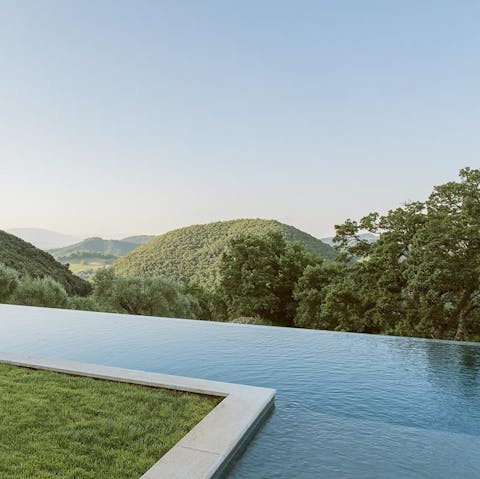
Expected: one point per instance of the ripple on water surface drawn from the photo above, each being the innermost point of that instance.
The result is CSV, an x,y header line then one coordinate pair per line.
x,y
348,405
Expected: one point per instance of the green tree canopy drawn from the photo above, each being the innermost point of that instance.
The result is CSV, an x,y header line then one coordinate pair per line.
x,y
422,276
44,292
151,296
8,282
258,274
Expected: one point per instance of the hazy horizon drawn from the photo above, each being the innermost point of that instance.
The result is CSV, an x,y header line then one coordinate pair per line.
x,y
141,117
120,235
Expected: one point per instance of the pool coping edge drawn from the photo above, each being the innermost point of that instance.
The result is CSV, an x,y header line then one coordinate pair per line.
x,y
207,450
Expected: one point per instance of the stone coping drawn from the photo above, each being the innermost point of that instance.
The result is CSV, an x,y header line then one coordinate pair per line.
x,y
207,450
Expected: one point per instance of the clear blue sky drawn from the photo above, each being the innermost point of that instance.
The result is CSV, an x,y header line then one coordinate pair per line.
x,y
141,116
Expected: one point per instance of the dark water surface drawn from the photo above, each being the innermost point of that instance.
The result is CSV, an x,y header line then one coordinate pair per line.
x,y
347,406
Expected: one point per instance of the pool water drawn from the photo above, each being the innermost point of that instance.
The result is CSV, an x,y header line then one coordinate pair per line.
x,y
347,405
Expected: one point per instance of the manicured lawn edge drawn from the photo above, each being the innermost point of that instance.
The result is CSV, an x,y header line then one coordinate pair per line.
x,y
56,425
207,450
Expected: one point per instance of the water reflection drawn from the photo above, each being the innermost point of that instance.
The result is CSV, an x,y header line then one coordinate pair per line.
x,y
453,367
348,405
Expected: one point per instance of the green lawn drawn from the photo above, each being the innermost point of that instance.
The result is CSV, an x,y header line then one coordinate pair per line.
x,y
86,270
53,425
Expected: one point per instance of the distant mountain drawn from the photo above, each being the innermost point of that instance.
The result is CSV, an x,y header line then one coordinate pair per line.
x,y
44,239
114,248
138,240
191,253
86,256
27,259
371,238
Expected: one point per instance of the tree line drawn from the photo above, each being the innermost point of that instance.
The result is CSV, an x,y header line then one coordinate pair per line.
x,y
420,278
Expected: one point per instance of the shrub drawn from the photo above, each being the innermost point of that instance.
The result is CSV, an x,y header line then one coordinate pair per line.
x,y
8,282
44,292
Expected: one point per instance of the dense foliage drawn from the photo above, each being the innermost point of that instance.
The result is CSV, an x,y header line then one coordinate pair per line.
x,y
138,239
8,282
44,292
152,296
421,278
155,296
258,275
192,253
28,260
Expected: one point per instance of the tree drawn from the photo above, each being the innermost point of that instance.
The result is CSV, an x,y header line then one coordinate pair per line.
x,y
151,296
44,292
312,292
258,274
292,264
422,276
210,304
443,267
84,303
8,282
103,283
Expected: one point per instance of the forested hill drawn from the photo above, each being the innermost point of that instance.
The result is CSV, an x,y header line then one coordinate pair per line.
x,y
191,253
96,245
139,239
27,259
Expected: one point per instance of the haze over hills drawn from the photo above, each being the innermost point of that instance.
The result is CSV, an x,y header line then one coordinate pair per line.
x,y
101,246
43,238
51,240
27,259
185,254
191,253
90,254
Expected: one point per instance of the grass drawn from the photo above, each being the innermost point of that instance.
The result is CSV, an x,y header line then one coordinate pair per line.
x,y
86,270
80,267
54,425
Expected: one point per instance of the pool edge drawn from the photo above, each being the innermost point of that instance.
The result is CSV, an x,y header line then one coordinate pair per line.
x,y
210,447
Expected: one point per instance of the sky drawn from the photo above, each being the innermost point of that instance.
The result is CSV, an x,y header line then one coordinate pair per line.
x,y
128,117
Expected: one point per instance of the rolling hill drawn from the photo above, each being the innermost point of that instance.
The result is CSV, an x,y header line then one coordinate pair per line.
x,y
27,259
90,254
95,246
191,253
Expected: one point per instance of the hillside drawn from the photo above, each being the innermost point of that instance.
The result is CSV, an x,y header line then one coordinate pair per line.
x,y
112,248
139,239
43,239
27,259
91,254
191,253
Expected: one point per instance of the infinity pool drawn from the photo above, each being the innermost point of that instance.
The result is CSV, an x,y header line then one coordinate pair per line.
x,y
347,406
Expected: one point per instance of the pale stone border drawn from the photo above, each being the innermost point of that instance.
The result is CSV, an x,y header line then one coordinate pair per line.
x,y
207,450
